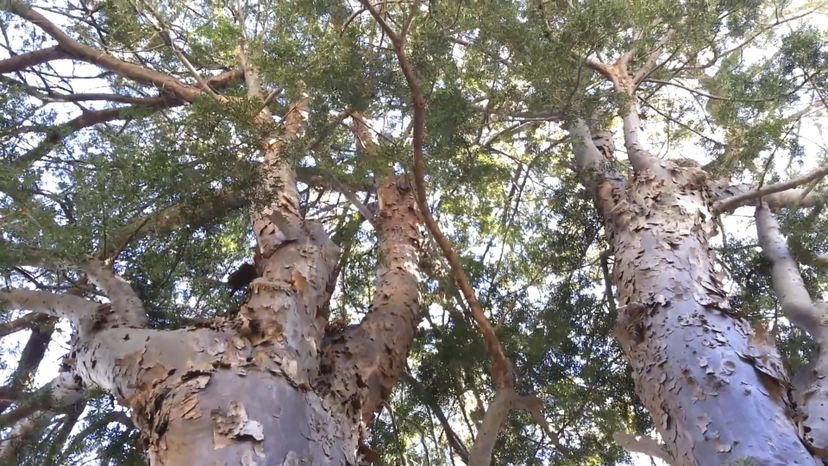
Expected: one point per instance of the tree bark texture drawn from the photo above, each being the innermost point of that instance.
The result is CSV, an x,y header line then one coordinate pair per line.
x,y
261,388
715,388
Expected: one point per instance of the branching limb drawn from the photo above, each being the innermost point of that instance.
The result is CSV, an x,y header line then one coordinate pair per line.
x,y
588,159
127,308
26,421
795,301
29,360
98,57
65,306
642,444
651,59
744,198
502,371
27,321
501,367
29,59
505,401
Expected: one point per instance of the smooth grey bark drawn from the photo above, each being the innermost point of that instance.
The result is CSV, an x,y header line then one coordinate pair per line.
x,y
810,389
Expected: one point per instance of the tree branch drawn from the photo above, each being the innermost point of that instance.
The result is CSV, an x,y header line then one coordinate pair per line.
x,y
788,285
63,391
642,444
98,57
57,305
127,308
29,59
742,199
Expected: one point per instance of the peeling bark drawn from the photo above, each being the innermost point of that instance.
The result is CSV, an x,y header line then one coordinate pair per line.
x,y
715,387
365,361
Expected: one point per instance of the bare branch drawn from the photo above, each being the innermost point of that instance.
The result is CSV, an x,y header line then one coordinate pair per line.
x,y
739,200
101,58
642,444
58,305
27,321
795,301
29,59
127,308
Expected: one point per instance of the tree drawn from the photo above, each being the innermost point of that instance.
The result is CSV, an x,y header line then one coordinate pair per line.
x,y
151,148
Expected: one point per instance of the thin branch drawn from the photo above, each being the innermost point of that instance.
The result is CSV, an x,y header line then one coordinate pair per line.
x,y
162,29
651,59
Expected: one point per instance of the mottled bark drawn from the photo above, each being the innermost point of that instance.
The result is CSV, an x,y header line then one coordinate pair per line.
x,y
810,389
366,360
716,389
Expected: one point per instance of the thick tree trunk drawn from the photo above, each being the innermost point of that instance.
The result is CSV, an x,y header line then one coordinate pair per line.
x,y
716,389
211,396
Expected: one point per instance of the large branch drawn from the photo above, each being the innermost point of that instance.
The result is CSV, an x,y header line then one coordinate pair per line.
x,y
27,321
501,367
588,159
57,305
745,198
29,59
501,371
29,360
98,57
642,444
127,308
794,298
377,348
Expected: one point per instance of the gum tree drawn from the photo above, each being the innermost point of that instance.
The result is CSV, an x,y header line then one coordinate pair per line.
x,y
151,148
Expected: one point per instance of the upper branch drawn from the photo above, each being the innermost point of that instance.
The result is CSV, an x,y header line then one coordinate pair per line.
x,y
74,308
787,282
127,307
98,57
27,60
744,198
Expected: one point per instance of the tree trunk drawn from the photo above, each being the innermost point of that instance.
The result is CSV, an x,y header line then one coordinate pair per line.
x,y
716,389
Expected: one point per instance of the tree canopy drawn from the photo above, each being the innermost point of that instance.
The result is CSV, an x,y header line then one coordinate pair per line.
x,y
104,155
